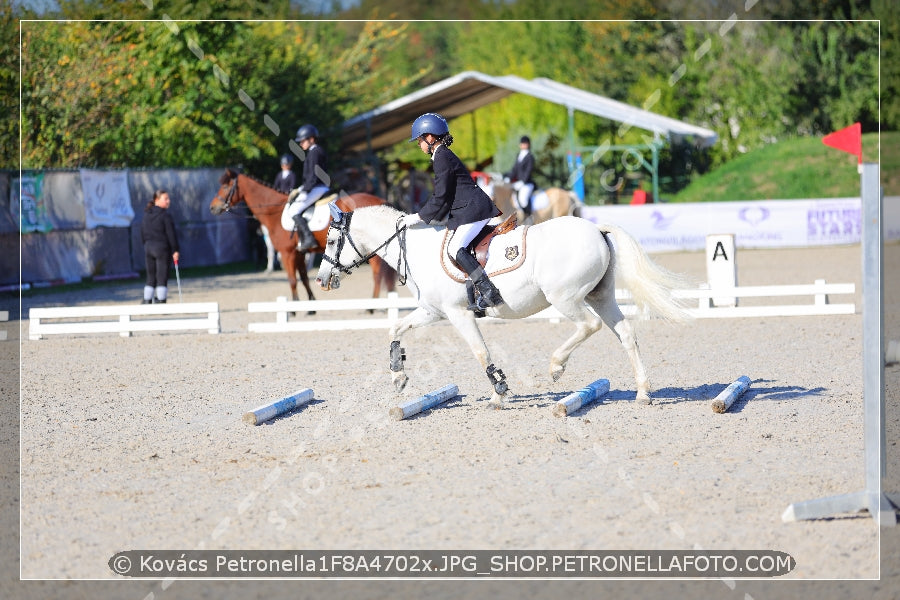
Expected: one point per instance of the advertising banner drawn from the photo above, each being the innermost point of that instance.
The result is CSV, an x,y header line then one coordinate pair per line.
x,y
30,208
756,224
107,201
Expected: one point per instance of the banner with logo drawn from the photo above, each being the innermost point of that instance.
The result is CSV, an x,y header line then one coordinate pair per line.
x,y
758,224
29,207
107,201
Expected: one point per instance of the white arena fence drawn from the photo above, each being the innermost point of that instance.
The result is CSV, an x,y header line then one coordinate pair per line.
x,y
127,319
122,319
818,292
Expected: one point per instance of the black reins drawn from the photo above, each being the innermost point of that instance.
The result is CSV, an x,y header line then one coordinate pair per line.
x,y
343,226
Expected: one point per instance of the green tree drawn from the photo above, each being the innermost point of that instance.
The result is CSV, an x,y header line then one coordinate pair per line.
x,y
187,93
9,83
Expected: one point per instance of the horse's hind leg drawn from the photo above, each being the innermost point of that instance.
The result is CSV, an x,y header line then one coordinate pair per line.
x,y
586,325
606,306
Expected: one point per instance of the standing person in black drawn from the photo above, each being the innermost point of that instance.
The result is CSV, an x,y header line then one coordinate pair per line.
x,y
520,175
160,245
457,198
286,180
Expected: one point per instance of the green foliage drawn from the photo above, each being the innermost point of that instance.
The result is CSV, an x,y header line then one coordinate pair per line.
x,y
168,87
179,93
9,84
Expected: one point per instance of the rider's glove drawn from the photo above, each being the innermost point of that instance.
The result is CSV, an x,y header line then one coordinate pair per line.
x,y
293,195
410,220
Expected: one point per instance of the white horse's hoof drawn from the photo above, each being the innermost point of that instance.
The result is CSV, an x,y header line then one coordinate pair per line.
x,y
400,381
643,399
556,371
496,401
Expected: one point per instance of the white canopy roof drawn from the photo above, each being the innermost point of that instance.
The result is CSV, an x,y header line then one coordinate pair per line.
x,y
390,123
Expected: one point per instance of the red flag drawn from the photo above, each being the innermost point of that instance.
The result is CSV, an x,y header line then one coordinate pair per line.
x,y
848,139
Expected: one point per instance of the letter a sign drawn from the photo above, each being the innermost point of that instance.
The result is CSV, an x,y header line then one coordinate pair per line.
x,y
848,139
721,267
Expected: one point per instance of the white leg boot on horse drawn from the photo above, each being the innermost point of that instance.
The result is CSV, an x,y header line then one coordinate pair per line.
x,y
417,318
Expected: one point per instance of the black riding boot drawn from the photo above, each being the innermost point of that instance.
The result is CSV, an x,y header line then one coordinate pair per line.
x,y
307,240
488,294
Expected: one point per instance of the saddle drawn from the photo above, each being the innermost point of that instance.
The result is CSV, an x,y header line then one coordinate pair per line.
x,y
483,240
513,257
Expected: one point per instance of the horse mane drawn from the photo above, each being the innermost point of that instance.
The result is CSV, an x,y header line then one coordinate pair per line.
x,y
230,174
386,209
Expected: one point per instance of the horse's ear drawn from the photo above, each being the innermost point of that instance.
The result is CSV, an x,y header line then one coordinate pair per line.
x,y
337,215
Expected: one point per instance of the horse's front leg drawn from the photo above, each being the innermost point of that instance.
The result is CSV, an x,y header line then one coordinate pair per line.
x,y
416,318
288,262
300,259
465,324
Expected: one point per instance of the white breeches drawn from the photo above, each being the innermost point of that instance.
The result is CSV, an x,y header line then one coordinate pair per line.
x,y
463,236
303,201
523,193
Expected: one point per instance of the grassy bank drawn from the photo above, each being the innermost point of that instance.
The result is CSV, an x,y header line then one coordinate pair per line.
x,y
794,169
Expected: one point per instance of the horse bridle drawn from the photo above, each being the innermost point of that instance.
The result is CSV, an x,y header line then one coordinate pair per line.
x,y
341,222
226,204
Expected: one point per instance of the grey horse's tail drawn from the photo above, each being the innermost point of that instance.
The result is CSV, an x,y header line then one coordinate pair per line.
x,y
650,284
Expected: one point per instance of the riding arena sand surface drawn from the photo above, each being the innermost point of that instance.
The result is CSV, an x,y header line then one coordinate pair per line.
x,y
138,443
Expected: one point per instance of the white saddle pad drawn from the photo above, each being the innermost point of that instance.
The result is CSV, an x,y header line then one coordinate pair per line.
x,y
506,253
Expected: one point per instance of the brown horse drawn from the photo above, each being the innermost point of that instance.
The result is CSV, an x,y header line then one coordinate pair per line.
x,y
266,204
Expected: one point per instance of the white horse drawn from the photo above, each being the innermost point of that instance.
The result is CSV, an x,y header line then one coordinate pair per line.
x,y
566,262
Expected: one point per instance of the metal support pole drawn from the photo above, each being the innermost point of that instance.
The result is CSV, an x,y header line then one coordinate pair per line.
x,y
872,499
474,137
654,148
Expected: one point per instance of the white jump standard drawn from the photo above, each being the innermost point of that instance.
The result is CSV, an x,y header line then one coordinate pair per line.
x,y
278,407
589,393
727,397
424,402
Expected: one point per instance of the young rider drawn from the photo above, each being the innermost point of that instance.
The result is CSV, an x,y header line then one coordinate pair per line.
x,y
315,184
457,199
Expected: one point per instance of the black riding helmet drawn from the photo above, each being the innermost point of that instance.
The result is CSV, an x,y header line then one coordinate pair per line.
x,y
307,131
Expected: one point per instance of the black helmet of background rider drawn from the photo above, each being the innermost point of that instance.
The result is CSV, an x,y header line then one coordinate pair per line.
x,y
307,131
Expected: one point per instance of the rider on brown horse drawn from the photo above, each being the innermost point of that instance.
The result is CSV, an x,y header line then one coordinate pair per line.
x,y
315,184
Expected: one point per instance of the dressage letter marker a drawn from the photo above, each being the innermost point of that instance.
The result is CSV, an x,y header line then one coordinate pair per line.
x,y
278,407
590,393
429,400
727,397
